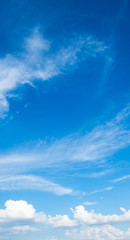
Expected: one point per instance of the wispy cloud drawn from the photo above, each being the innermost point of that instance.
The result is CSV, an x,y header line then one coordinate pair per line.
x,y
121,179
90,203
101,190
30,182
38,61
102,142
95,146
99,174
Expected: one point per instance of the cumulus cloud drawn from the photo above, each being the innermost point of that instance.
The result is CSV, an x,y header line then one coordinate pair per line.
x,y
38,61
21,210
83,216
17,210
19,216
61,221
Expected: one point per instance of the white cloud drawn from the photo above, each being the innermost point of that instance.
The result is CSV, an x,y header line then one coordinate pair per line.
x,y
16,210
98,174
26,228
37,61
101,190
31,182
19,216
83,216
4,106
20,212
102,142
121,179
90,203
106,232
61,221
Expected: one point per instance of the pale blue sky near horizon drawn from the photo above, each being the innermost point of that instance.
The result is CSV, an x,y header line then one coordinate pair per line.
x,y
64,120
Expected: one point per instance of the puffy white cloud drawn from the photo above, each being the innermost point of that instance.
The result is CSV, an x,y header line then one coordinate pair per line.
x,y
83,216
19,216
17,210
61,221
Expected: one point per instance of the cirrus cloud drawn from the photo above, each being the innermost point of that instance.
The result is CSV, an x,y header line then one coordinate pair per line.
x,y
38,61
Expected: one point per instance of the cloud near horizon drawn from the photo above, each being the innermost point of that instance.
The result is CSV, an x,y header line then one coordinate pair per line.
x,y
19,216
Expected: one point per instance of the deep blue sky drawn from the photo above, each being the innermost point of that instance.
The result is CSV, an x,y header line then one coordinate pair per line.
x,y
64,119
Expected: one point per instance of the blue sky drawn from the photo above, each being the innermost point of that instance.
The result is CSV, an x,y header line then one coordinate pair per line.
x,y
64,120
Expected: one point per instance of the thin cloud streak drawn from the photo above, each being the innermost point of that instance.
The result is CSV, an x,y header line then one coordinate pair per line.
x,y
100,190
90,203
99,174
95,146
30,182
121,179
101,143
